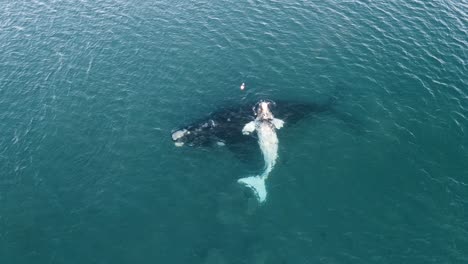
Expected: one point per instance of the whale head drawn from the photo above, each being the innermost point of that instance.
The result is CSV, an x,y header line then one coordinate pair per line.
x,y
263,110
200,134
180,137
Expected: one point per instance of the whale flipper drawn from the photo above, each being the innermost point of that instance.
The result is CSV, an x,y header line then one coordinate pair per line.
x,y
248,128
278,123
257,184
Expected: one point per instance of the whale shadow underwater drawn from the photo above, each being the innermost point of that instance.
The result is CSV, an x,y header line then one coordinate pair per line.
x,y
223,127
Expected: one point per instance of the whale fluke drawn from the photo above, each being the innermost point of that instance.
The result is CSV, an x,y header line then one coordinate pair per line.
x,y
257,184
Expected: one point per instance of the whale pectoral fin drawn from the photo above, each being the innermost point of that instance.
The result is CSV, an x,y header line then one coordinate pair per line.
x,y
278,123
248,128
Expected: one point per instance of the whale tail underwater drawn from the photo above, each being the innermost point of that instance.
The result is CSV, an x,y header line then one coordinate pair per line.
x,y
257,184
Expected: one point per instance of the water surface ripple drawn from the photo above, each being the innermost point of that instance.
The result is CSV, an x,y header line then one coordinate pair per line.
x,y
90,90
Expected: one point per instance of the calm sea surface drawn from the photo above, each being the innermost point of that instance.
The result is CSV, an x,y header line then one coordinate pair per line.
x,y
91,90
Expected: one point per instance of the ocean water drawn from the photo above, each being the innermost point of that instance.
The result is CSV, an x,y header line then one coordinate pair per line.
x,y
91,90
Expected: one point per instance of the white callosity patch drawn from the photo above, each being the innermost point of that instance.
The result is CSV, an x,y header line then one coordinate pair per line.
x,y
178,134
265,112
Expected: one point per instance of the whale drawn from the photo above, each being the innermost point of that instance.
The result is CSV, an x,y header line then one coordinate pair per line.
x,y
265,126
232,126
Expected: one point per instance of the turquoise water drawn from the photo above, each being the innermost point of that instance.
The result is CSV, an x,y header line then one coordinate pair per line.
x,y
91,90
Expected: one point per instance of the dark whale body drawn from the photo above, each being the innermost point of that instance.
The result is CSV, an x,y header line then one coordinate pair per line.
x,y
224,127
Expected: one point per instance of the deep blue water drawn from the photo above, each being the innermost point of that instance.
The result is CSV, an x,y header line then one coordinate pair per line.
x,y
91,90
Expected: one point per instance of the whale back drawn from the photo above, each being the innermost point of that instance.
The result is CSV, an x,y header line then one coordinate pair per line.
x,y
225,125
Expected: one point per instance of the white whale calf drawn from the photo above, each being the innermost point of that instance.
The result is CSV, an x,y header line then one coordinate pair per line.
x,y
265,124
